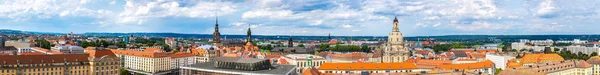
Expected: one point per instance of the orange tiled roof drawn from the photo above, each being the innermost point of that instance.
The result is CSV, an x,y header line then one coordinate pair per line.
x,y
92,51
478,65
46,50
366,66
181,54
37,59
31,53
536,58
148,52
594,60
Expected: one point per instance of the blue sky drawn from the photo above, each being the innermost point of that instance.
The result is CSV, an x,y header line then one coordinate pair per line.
x,y
306,17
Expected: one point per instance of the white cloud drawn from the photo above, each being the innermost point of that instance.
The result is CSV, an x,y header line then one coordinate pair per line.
x,y
135,11
346,26
546,7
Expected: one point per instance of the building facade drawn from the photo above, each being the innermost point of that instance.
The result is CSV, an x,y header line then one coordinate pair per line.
x,y
154,61
103,61
62,64
394,50
303,61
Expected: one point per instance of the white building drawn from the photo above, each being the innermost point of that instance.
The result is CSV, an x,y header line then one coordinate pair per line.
x,y
21,50
520,46
583,49
303,61
69,49
499,59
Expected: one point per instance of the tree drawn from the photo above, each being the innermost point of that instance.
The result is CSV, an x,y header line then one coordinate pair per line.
x,y
300,45
594,54
498,70
44,44
123,71
324,47
556,49
365,48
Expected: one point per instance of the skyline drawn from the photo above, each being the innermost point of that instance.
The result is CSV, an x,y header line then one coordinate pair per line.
x,y
311,18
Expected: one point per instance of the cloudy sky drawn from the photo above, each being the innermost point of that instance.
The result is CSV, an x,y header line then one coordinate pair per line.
x,y
306,17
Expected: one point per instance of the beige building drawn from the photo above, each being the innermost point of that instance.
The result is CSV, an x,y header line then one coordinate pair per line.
x,y
103,61
394,50
567,67
595,63
63,64
154,61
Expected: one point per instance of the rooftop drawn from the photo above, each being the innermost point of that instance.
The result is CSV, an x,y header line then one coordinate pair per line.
x,y
209,67
366,66
302,56
238,60
37,59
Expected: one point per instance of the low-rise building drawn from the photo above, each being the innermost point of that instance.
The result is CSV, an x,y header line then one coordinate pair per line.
x,y
303,61
8,50
69,49
583,49
500,59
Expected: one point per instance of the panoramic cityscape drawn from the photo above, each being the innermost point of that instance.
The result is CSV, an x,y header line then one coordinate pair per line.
x,y
299,37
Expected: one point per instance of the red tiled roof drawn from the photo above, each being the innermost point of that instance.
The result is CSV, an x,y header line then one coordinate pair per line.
x,y
478,65
94,52
37,59
181,54
148,52
366,66
31,53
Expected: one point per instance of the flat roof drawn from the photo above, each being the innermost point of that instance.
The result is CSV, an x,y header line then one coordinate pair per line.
x,y
209,67
238,60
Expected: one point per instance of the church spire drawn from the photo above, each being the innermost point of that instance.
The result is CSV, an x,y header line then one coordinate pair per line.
x,y
329,36
395,25
216,34
249,34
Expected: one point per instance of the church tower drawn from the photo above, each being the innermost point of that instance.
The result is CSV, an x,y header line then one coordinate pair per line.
x,y
394,49
249,35
216,34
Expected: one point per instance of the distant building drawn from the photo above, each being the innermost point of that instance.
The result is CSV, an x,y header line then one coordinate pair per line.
x,y
171,42
69,49
583,49
292,50
8,50
18,44
238,66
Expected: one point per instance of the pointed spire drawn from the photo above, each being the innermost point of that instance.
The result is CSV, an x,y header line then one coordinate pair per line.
x,y
249,34
395,19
